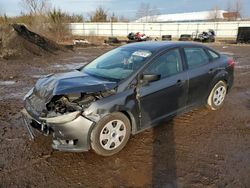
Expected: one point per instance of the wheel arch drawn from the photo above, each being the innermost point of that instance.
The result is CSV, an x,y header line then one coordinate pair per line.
x,y
132,120
221,76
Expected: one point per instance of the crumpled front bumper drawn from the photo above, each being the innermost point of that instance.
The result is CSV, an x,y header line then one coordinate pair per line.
x,y
70,132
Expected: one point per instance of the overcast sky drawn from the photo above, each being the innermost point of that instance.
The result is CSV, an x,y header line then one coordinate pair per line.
x,y
127,8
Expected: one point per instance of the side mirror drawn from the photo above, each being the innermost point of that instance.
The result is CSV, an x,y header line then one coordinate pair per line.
x,y
150,77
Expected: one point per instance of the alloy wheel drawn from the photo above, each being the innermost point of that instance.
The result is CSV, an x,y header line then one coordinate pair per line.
x,y
219,95
112,134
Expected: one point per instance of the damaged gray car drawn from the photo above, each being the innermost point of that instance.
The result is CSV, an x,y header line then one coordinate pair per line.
x,y
124,92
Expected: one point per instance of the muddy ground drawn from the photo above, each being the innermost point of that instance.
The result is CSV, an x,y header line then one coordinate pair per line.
x,y
201,148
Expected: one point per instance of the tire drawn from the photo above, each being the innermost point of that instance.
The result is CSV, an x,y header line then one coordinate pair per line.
x,y
217,96
166,37
111,134
113,40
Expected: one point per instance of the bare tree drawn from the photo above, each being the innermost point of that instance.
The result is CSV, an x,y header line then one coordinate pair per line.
x,y
1,11
214,14
100,15
154,14
4,19
238,5
114,18
123,19
229,6
235,7
146,13
57,28
34,7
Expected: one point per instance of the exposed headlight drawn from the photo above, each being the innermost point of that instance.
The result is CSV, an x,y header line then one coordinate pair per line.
x,y
63,118
28,94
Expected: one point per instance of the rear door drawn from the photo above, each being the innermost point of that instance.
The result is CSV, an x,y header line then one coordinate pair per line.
x,y
166,96
200,72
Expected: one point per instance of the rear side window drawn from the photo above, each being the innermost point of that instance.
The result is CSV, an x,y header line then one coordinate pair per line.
x,y
213,54
196,57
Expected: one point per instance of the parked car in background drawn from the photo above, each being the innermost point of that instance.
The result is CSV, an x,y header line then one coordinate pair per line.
x,y
185,37
124,92
166,37
137,37
205,36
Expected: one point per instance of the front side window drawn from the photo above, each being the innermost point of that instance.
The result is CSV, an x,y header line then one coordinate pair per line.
x,y
196,57
117,64
166,65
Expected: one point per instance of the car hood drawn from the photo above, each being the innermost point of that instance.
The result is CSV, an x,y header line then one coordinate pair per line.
x,y
70,83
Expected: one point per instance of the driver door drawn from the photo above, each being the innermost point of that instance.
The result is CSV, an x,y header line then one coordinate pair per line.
x,y
166,96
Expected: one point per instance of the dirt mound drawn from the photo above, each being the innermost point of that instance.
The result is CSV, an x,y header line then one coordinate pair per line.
x,y
17,41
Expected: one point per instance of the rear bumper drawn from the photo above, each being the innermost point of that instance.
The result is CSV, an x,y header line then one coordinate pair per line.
x,y
70,133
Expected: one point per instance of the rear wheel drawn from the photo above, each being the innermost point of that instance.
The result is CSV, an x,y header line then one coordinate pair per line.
x,y
217,95
111,134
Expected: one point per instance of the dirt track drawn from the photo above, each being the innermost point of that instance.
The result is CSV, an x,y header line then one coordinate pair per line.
x,y
201,148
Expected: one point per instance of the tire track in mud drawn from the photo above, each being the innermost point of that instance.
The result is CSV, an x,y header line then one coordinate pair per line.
x,y
196,176
25,166
188,117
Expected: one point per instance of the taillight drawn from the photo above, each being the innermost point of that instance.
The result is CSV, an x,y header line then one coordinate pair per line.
x,y
231,63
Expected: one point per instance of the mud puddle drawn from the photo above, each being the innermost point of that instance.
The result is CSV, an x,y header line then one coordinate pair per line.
x,y
38,75
76,59
7,83
242,66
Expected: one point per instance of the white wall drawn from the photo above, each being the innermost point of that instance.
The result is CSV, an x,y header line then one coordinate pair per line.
x,y
222,29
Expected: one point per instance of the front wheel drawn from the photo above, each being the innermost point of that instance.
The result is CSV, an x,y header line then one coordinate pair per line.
x,y
110,134
217,95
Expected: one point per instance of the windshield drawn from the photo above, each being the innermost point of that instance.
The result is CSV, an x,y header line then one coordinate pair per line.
x,y
117,64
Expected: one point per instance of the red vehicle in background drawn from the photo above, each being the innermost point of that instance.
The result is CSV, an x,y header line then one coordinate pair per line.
x,y
137,37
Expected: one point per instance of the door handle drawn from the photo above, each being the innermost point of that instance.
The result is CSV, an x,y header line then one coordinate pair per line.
x,y
211,71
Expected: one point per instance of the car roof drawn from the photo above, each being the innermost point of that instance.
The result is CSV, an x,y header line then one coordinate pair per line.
x,y
154,46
